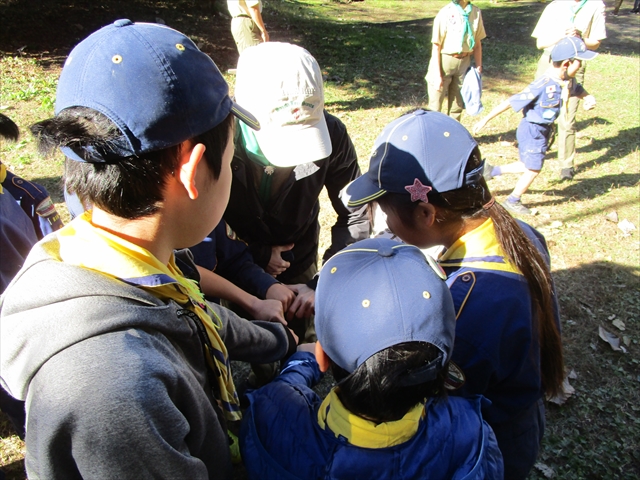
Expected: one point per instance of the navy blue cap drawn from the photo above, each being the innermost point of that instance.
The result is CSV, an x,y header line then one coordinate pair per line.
x,y
415,153
377,293
571,47
151,81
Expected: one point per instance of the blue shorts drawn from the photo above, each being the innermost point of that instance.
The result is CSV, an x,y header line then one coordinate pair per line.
x,y
533,142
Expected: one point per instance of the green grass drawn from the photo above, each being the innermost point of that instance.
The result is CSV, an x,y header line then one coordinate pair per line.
x,y
374,56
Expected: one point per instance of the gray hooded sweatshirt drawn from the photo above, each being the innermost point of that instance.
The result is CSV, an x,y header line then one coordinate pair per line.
x,y
114,379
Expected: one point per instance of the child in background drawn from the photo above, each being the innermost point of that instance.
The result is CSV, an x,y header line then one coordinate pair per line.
x,y
541,103
385,324
425,173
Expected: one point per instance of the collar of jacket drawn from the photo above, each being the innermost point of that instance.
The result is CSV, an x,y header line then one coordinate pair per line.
x,y
334,417
478,249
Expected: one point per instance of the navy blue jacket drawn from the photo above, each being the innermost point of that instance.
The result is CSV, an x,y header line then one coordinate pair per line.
x,y
36,203
495,346
223,253
282,439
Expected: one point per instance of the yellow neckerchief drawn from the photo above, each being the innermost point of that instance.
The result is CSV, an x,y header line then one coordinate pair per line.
x,y
365,433
87,246
478,248
3,175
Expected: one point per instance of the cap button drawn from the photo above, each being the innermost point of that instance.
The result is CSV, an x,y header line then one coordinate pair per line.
x,y
122,22
419,112
385,251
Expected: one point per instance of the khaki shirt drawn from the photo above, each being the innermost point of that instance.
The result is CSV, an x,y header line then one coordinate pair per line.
x,y
556,19
448,28
240,7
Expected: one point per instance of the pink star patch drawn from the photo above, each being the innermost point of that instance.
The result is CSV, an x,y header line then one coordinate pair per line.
x,y
418,191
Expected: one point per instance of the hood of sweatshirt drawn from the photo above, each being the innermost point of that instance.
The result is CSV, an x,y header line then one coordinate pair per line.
x,y
51,305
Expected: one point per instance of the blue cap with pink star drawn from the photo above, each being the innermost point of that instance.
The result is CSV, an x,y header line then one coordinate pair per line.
x,y
420,152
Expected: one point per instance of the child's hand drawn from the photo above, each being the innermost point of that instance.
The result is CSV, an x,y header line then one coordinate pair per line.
x,y
270,310
589,102
307,347
479,126
304,304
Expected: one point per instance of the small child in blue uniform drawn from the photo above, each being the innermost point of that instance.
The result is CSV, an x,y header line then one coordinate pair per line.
x,y
541,103
385,323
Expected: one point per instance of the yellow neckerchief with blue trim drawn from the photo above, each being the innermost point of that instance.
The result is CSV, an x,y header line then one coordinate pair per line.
x,y
87,246
3,175
478,248
365,433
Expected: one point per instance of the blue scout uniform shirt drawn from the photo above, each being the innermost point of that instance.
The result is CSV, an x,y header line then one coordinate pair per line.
x,y
224,253
35,202
542,100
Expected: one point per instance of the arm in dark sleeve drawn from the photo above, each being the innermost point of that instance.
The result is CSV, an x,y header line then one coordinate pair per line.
x,y
351,225
253,341
300,369
236,264
261,254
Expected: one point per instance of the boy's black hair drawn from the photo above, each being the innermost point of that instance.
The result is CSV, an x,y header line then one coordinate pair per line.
x,y
8,128
130,187
373,390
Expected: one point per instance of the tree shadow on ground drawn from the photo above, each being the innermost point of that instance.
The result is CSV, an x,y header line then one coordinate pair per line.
x,y
375,64
591,296
578,190
48,29
617,146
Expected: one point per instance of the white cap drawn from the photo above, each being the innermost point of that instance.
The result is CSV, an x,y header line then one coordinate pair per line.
x,y
281,85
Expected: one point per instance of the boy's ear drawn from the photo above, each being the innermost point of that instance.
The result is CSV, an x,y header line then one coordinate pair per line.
x,y
322,358
190,159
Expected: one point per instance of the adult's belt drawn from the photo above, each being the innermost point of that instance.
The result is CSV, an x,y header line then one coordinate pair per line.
x,y
242,15
459,55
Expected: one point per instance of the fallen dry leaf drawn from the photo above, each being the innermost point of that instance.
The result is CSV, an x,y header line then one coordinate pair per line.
x,y
546,470
619,324
612,217
626,227
563,396
611,339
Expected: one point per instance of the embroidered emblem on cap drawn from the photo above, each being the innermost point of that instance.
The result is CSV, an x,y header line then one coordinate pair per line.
x,y
418,191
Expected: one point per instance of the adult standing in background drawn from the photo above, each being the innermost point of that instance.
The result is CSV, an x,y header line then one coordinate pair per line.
x,y
580,18
457,34
247,26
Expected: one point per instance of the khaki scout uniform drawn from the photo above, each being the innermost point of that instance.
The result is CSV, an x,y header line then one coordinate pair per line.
x,y
448,29
244,30
554,21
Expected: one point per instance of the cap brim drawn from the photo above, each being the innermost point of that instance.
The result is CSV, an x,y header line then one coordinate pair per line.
x,y
361,191
588,55
245,116
292,145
